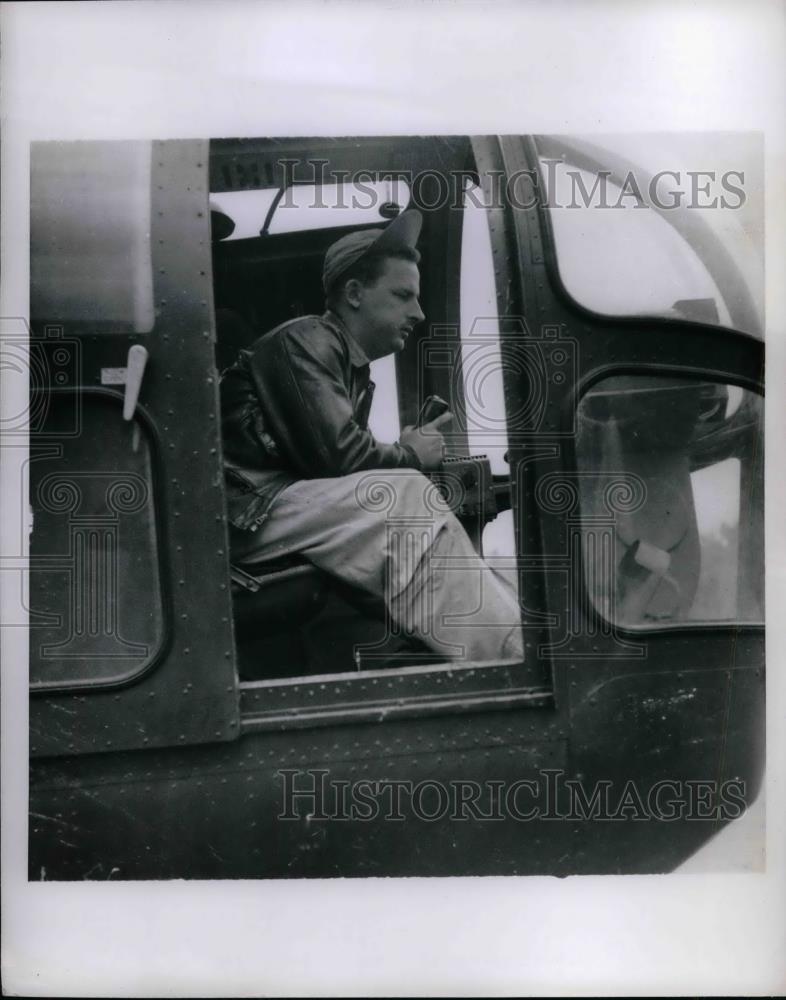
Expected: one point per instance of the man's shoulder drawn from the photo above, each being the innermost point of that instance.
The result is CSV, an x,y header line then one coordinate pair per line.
x,y
302,327
304,334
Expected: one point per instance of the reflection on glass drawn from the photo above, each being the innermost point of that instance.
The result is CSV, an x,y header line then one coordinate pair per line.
x,y
641,226
96,598
603,251
670,474
716,491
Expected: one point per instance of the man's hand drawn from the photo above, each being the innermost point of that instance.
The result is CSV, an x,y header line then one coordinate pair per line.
x,y
427,442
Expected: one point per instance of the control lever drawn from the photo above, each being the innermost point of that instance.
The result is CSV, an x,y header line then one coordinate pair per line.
x,y
135,370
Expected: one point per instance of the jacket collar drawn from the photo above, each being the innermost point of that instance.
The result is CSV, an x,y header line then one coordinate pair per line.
x,y
357,356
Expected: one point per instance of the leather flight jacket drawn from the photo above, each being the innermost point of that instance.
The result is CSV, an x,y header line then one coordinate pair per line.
x,y
294,406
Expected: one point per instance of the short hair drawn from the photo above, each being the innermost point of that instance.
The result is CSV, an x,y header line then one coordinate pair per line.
x,y
367,270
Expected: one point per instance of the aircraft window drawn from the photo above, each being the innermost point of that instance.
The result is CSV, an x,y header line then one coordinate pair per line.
x,y
480,343
339,630
98,272
384,420
96,597
608,240
671,493
499,548
309,206
481,359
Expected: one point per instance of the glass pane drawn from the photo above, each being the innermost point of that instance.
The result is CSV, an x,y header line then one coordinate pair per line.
x,y
96,603
671,489
716,490
384,420
481,359
604,252
90,258
309,206
481,362
639,230
499,549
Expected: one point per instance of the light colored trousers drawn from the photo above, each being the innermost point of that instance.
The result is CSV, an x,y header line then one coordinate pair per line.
x,y
391,534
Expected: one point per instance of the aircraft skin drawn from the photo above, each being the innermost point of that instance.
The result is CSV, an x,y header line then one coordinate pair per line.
x,y
186,722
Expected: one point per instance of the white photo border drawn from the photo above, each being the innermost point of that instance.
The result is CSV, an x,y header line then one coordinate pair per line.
x,y
168,69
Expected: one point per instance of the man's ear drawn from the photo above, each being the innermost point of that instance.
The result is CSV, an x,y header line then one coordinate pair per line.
x,y
353,292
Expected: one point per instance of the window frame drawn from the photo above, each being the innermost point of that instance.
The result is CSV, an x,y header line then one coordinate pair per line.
x,y
306,701
181,698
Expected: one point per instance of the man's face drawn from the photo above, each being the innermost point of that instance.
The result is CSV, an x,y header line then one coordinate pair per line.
x,y
388,308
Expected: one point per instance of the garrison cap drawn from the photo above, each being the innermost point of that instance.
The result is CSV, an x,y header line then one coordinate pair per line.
x,y
403,231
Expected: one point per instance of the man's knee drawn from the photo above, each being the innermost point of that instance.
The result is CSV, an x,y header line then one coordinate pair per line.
x,y
397,494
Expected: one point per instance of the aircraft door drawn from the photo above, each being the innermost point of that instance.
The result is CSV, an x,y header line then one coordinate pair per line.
x,y
635,449
129,579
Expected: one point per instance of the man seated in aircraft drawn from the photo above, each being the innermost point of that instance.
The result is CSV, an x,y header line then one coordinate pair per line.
x,y
306,476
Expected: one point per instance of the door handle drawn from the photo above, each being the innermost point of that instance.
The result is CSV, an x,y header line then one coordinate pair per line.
x,y
135,370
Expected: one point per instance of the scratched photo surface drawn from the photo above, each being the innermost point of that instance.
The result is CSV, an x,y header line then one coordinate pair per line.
x,y
395,506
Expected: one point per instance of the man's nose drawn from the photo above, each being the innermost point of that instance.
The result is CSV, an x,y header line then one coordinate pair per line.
x,y
417,313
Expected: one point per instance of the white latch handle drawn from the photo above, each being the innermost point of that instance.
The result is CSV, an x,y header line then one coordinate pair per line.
x,y
135,370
